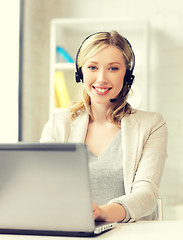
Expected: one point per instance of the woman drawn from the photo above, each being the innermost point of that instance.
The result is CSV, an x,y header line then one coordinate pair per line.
x,y
126,147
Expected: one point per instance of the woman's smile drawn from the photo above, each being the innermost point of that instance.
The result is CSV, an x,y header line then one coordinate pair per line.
x,y
101,90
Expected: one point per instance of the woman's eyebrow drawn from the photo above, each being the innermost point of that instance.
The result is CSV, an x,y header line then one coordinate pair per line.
x,y
115,63
92,61
110,63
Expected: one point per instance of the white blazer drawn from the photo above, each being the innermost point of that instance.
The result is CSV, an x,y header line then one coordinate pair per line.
x,y
144,142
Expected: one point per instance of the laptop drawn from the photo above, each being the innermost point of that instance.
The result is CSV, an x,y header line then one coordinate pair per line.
x,y
45,190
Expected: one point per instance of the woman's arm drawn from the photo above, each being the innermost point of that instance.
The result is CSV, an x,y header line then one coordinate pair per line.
x,y
141,198
112,212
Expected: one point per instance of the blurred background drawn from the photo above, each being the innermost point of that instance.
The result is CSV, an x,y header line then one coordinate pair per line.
x,y
38,43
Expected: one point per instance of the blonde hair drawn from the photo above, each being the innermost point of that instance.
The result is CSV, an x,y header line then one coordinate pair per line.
x,y
90,47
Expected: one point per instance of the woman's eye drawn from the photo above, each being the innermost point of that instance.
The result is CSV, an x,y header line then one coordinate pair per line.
x,y
92,67
113,68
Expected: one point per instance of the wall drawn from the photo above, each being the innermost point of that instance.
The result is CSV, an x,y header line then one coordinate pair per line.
x,y
165,18
9,60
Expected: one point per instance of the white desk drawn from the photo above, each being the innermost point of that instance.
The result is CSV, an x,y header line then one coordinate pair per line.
x,y
163,230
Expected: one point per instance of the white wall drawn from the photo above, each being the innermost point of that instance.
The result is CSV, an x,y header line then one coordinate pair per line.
x,y
9,59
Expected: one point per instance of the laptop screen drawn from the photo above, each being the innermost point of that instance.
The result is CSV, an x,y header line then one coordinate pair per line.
x,y
45,187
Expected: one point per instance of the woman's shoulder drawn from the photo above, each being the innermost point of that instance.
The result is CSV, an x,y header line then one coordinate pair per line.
x,y
56,127
142,113
147,116
61,113
64,115
60,116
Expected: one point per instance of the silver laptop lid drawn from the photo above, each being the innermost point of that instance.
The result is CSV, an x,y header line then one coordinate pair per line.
x,y
45,187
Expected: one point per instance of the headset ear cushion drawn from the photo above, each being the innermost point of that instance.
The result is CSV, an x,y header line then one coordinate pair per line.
x,y
128,78
79,75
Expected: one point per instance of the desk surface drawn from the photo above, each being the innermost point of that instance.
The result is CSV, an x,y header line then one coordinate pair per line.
x,y
150,230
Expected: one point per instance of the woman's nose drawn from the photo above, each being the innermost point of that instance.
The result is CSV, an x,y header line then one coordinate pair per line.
x,y
102,77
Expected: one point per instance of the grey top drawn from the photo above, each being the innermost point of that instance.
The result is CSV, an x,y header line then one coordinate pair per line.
x,y
106,172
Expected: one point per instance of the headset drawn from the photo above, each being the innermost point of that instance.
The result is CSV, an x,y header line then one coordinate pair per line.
x,y
128,78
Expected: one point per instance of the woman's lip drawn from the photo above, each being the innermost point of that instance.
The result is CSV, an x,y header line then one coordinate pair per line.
x,y
101,90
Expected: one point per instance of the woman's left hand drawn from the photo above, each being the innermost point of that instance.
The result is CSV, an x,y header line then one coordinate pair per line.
x,y
109,212
98,213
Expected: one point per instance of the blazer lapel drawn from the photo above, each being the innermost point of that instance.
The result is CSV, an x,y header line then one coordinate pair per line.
x,y
79,128
130,140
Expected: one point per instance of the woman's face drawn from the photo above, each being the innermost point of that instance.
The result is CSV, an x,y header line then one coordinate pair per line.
x,y
103,75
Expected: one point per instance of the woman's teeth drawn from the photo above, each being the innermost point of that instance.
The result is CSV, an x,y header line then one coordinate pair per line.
x,y
102,90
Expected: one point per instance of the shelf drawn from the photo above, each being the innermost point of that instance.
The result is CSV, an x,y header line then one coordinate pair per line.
x,y
60,66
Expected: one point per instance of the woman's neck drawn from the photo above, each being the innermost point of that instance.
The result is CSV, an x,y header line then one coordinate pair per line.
x,y
99,113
